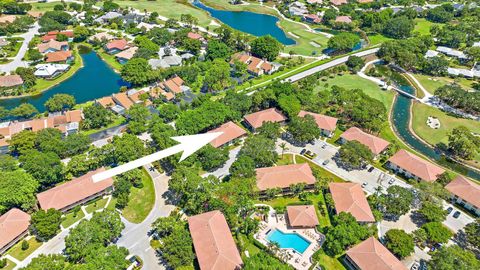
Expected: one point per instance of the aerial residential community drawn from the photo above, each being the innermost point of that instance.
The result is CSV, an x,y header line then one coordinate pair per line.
x,y
239,134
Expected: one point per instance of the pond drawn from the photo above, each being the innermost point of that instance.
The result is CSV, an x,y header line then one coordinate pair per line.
x,y
401,121
249,22
95,80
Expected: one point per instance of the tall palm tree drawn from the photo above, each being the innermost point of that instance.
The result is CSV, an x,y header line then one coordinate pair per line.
x,y
284,147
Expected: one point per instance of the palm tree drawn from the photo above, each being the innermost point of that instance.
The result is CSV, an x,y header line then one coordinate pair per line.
x,y
284,147
378,190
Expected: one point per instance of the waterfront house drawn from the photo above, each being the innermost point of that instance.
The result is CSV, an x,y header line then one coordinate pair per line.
x,y
213,242
123,56
13,227
53,35
372,255
122,100
302,216
10,81
52,46
312,18
230,133
375,144
174,85
116,46
412,166
196,36
49,71
327,124
62,57
105,102
465,193
101,37
74,192
350,198
136,97
284,176
256,119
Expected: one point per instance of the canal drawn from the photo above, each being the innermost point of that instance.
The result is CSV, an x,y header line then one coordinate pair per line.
x,y
401,114
249,22
96,79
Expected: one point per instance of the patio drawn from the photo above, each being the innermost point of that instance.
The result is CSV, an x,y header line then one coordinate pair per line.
x,y
289,255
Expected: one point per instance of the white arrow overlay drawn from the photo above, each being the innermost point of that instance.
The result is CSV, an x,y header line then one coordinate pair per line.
x,y
188,144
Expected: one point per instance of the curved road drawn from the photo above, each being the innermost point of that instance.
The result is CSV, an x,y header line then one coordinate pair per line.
x,y
18,60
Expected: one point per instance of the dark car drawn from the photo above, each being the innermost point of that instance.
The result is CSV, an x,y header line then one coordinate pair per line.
x,y
303,151
456,214
371,169
449,209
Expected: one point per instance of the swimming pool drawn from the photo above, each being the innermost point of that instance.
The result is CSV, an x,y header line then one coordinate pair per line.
x,y
288,240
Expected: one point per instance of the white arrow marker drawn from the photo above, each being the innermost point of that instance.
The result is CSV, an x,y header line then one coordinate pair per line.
x,y
187,144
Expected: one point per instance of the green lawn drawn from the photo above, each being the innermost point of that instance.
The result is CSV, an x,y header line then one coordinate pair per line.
x,y
110,60
141,200
423,26
432,83
42,84
111,205
285,160
96,205
319,170
10,265
447,123
19,254
377,39
43,6
70,218
303,45
117,121
350,81
328,262
12,51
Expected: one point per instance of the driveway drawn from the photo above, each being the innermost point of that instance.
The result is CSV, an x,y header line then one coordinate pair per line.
x,y
223,171
18,60
135,236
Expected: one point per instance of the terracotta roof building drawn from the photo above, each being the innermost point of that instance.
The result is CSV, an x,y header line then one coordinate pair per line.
x,y
302,216
230,132
350,198
312,18
53,35
375,144
327,124
74,192
7,18
284,176
338,2
255,65
414,167
10,81
126,55
13,226
465,193
173,85
122,100
256,120
213,242
193,35
59,57
116,46
52,46
343,19
372,255
106,102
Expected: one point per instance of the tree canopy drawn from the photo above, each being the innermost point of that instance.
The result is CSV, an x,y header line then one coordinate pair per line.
x,y
399,242
266,47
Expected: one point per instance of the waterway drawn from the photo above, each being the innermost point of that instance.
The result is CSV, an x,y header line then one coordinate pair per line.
x,y
401,114
249,22
96,79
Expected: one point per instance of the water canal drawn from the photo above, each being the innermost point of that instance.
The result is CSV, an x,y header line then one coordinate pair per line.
x,y
249,22
96,79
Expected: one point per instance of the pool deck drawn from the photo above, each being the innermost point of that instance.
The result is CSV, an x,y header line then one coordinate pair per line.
x,y
290,256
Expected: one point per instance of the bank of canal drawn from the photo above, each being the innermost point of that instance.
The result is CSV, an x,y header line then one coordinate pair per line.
x,y
94,80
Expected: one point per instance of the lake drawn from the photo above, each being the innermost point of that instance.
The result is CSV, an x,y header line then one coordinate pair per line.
x,y
96,79
249,22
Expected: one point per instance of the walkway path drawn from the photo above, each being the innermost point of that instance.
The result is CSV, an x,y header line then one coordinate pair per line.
x,y
135,236
18,59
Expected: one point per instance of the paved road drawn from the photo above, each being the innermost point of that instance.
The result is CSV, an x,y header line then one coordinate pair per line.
x,y
135,236
17,61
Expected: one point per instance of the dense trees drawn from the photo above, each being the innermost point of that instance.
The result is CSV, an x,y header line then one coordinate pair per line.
x,y
217,76
436,232
459,98
138,116
266,47
354,155
60,102
17,189
264,261
407,53
209,114
138,72
343,42
261,150
453,257
217,49
345,232
396,202
126,148
432,211
212,158
399,27
440,14
462,143
46,224
24,110
243,166
435,66
304,129
472,232
45,167
95,116
54,20
355,63
399,242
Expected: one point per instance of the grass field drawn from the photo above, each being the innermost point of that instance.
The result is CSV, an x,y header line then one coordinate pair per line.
x,y
377,39
19,254
328,262
141,200
423,26
432,83
70,219
43,6
447,123
110,60
10,265
118,121
350,81
285,160
96,205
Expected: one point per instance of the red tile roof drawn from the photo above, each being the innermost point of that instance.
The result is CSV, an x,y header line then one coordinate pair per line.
x,y
372,255
284,176
375,144
343,19
53,35
465,189
417,166
302,216
338,2
60,56
350,198
51,44
324,122
119,44
10,80
194,35
257,119
230,131
123,99
73,191
213,242
12,224
174,84
106,102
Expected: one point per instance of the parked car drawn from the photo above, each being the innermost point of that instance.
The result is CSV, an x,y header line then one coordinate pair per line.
x,y
364,184
303,151
456,214
415,266
325,162
310,154
324,146
371,169
449,209
391,181
423,265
